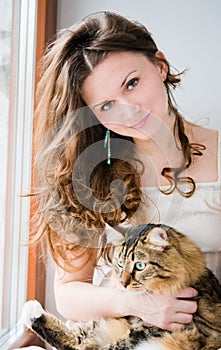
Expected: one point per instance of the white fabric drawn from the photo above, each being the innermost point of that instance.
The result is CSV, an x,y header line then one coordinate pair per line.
x,y
199,216
30,348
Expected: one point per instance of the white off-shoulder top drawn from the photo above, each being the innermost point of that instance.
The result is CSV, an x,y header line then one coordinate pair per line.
x,y
199,216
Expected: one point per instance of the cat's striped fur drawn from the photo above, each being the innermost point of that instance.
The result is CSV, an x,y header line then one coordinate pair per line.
x,y
151,258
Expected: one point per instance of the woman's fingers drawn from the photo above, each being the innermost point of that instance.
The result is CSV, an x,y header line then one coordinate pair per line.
x,y
186,293
186,306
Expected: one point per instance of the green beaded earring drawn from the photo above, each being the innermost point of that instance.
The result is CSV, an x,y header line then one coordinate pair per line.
x,y
170,113
107,145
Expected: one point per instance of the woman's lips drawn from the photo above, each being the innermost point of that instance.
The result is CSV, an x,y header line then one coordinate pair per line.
x,y
141,123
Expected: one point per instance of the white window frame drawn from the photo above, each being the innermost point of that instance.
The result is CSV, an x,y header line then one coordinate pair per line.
x,y
15,259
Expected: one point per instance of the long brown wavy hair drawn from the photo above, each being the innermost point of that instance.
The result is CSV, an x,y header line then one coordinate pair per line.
x,y
76,190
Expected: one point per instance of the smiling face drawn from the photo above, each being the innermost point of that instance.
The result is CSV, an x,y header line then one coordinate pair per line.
x,y
126,92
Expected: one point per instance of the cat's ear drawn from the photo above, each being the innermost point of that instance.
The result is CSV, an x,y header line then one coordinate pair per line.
x,y
114,236
158,237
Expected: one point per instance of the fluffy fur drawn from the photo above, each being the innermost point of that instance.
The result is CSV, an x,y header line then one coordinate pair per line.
x,y
151,258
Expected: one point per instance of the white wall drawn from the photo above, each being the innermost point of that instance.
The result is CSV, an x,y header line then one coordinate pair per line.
x,y
187,31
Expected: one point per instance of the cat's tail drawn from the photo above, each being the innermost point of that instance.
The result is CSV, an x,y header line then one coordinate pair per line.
x,y
48,327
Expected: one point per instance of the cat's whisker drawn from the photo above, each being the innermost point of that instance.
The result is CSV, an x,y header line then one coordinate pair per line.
x,y
144,292
151,295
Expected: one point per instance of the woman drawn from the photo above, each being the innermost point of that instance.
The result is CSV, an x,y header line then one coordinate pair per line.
x,y
113,149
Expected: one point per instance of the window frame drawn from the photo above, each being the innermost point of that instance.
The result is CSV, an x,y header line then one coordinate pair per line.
x,y
19,139
46,21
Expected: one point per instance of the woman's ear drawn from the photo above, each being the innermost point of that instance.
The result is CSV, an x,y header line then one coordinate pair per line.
x,y
162,64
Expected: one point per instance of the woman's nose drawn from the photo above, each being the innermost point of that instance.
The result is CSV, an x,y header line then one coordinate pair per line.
x,y
128,111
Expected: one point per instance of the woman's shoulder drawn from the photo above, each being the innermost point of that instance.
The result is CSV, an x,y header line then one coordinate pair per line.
x,y
209,138
203,135
206,168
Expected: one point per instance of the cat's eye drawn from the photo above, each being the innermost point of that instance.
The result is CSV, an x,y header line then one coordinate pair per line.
x,y
140,265
120,263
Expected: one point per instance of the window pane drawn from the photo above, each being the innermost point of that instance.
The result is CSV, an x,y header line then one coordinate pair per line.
x,y
17,61
5,53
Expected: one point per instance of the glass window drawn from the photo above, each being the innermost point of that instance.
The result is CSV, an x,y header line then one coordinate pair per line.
x,y
17,61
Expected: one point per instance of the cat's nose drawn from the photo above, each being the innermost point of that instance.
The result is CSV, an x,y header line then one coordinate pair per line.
x,y
125,283
125,278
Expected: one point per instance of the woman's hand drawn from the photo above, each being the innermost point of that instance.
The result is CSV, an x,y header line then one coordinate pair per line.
x,y
167,311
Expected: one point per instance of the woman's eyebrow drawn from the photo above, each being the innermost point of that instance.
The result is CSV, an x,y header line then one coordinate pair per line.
x,y
133,71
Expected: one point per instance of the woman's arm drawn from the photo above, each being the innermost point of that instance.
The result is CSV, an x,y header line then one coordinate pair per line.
x,y
78,299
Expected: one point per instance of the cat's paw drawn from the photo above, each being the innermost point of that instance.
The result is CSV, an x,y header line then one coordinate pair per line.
x,y
79,327
31,310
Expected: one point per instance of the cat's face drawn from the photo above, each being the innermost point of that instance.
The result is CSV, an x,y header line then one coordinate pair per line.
x,y
154,261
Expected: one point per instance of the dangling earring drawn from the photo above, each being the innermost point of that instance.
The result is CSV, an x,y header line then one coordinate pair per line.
x,y
170,113
107,145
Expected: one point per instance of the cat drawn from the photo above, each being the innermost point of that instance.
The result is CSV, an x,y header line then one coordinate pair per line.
x,y
151,258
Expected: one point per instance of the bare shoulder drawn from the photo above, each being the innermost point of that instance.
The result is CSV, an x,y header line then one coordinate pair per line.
x,y
205,168
203,135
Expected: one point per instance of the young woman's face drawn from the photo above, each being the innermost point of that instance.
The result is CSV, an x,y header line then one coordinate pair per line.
x,y
126,92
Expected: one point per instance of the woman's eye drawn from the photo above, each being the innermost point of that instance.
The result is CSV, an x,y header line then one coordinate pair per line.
x,y
132,83
107,106
120,263
140,265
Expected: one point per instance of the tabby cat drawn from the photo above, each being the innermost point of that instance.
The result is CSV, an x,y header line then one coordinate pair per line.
x,y
151,258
